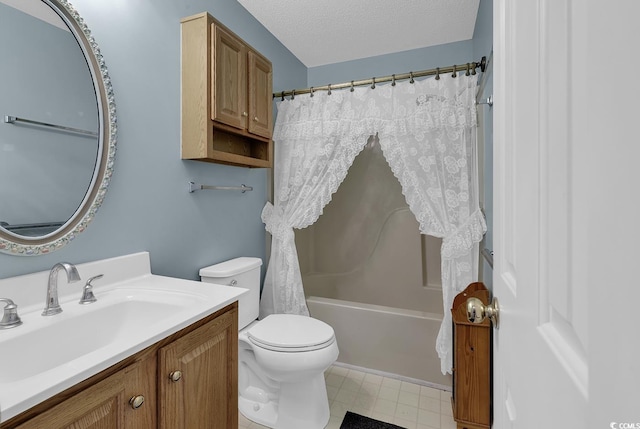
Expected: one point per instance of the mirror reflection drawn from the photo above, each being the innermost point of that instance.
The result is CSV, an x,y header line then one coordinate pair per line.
x,y
49,120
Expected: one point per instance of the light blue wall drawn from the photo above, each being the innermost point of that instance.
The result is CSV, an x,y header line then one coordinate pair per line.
x,y
482,46
147,206
483,33
396,63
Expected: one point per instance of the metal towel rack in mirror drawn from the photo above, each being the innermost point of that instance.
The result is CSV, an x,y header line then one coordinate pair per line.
x,y
8,119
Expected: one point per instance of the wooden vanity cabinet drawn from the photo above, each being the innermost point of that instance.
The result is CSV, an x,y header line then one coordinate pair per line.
x,y
105,405
205,392
226,96
205,395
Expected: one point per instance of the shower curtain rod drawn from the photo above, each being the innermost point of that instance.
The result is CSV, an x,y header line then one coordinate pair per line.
x,y
468,68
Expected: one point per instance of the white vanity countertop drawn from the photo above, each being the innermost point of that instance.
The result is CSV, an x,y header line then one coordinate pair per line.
x,y
134,310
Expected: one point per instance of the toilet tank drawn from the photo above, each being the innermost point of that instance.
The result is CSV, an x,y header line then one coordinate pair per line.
x,y
241,272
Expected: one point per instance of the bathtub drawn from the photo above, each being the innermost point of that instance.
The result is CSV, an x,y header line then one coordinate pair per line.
x,y
392,341
369,273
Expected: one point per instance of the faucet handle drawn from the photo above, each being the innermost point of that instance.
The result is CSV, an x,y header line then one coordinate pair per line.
x,y
10,318
87,291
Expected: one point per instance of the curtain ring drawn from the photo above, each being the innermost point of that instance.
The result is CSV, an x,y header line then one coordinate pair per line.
x,y
454,75
373,84
393,80
329,90
473,71
293,94
411,76
468,73
311,92
351,90
437,73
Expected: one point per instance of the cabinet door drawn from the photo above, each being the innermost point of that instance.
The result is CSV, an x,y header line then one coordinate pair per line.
x,y
260,95
228,98
205,394
105,405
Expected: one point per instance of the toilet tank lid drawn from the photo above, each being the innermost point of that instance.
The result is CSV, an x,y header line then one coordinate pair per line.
x,y
231,267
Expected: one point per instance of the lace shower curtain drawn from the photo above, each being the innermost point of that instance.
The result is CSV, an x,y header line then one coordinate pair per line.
x,y
427,131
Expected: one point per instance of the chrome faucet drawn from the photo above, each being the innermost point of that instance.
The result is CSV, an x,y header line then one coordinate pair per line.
x,y
51,306
10,318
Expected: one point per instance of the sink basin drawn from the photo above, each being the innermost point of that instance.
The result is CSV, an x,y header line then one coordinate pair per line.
x,y
48,342
47,354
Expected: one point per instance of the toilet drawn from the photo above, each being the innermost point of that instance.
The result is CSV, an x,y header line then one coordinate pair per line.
x,y
281,358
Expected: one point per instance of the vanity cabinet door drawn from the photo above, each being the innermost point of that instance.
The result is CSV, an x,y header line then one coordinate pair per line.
x,y
106,404
198,376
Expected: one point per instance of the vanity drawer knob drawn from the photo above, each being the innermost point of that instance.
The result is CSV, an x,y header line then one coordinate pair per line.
x,y
136,401
175,376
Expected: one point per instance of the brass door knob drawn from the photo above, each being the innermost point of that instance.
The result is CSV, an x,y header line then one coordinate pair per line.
x,y
477,312
175,376
136,401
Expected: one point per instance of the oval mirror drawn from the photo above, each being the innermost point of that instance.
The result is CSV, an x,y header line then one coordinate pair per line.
x,y
57,126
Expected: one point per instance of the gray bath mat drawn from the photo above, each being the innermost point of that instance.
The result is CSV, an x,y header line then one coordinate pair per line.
x,y
356,421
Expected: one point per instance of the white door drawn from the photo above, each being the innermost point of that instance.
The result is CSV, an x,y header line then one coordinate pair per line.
x,y
567,214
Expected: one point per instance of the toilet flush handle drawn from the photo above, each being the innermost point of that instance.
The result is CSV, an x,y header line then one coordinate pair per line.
x,y
233,282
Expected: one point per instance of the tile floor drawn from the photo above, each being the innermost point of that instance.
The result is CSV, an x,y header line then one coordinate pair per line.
x,y
405,404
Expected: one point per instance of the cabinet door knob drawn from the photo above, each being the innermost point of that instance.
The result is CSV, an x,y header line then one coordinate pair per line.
x,y
175,376
255,118
245,114
136,401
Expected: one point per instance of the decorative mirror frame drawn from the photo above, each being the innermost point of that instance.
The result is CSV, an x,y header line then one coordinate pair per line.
x,y
30,246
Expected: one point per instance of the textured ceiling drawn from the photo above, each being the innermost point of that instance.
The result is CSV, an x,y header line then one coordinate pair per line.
x,y
321,32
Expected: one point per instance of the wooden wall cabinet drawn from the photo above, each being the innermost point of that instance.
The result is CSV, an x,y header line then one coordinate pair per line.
x,y
226,96
188,381
472,344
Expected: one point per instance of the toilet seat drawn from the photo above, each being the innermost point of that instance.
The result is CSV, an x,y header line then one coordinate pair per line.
x,y
291,333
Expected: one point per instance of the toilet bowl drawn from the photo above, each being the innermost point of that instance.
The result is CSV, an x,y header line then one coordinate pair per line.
x,y
281,358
